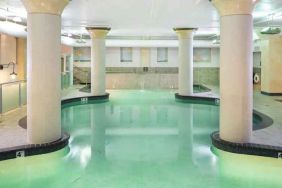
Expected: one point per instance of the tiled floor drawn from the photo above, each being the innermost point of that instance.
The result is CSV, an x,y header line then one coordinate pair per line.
x,y
13,135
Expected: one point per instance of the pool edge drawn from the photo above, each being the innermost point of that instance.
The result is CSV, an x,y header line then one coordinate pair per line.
x,y
246,148
85,99
197,99
34,149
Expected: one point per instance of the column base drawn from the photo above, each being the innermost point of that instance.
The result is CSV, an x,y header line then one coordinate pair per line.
x,y
34,149
271,94
261,121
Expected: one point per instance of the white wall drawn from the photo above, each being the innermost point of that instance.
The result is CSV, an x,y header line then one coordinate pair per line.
x,y
172,58
113,59
215,59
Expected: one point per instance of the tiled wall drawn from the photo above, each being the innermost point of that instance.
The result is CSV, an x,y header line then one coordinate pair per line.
x,y
153,78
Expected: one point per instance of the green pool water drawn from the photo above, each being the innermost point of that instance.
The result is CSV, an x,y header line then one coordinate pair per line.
x,y
141,139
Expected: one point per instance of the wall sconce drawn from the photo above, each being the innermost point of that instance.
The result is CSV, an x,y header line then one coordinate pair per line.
x,y
13,74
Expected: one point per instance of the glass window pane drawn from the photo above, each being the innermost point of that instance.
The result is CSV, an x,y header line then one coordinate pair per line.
x,y
126,54
10,97
162,55
202,55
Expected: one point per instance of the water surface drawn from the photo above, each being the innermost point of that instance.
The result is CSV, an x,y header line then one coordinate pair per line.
x,y
141,139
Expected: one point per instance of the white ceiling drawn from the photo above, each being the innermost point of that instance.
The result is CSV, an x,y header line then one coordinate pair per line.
x,y
146,17
141,17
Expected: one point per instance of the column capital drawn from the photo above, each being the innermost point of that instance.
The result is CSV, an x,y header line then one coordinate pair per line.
x,y
45,6
185,32
98,32
234,7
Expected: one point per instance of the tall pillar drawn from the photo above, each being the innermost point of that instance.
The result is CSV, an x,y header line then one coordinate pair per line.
x,y
98,60
21,58
43,69
271,66
185,59
236,53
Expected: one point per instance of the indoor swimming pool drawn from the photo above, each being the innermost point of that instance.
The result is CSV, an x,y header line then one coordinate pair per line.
x,y
141,139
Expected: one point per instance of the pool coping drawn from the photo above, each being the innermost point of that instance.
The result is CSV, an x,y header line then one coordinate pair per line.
x,y
197,99
270,94
85,99
34,149
246,148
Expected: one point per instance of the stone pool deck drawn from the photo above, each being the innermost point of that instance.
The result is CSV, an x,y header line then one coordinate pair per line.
x,y
12,135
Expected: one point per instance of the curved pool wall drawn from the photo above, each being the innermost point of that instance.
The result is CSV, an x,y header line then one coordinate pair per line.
x,y
34,149
260,121
140,139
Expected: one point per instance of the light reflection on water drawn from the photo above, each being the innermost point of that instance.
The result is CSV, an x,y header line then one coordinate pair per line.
x,y
141,139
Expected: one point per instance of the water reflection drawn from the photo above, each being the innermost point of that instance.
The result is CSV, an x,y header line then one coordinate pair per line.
x,y
141,139
142,132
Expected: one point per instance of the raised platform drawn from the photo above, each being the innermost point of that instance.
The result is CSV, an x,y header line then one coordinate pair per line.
x,y
246,148
197,99
34,149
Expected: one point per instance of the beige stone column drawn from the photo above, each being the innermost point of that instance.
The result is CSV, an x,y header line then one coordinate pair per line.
x,y
98,59
21,58
271,65
236,53
43,69
185,60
